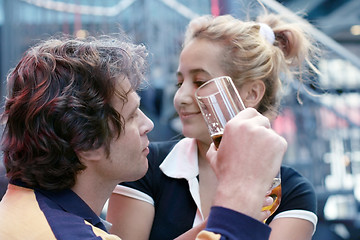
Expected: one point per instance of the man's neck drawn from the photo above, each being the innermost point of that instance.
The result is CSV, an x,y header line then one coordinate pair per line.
x,y
93,191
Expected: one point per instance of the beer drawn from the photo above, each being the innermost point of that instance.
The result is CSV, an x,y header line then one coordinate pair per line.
x,y
276,195
217,139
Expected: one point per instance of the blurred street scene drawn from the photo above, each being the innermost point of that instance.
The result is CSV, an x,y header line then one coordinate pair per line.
x,y
323,129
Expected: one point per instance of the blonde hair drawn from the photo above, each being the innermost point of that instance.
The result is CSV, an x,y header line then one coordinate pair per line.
x,y
249,56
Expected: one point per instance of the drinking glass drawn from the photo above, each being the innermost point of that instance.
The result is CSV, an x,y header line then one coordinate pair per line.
x,y
275,194
219,101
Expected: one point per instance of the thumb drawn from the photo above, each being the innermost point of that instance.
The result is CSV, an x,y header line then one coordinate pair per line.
x,y
211,155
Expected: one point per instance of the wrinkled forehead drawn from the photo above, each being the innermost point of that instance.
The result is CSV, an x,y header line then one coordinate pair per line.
x,y
122,86
125,106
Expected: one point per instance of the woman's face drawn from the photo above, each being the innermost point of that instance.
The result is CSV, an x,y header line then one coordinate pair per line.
x,y
198,63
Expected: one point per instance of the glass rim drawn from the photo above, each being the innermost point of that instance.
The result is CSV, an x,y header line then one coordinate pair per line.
x,y
209,81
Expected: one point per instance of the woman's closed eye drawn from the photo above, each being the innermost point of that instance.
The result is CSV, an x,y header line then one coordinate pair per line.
x,y
199,83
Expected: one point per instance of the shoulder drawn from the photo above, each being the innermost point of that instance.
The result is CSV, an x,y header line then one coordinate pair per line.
x,y
69,221
297,191
70,226
45,218
290,178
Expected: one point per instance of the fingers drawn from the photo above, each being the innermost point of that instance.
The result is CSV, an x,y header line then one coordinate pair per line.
x,y
264,215
212,149
211,154
250,154
268,201
251,114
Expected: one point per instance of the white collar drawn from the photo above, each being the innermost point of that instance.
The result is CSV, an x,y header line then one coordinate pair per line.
x,y
182,161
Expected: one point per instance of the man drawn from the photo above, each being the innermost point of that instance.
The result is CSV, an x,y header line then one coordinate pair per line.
x,y
74,130
3,180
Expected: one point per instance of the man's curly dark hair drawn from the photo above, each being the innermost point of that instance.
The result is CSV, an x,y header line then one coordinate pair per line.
x,y
59,102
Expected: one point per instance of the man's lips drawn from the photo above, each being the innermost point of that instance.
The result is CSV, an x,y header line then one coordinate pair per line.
x,y
146,148
146,151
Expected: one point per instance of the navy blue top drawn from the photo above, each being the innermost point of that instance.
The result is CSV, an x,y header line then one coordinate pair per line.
x,y
65,212
63,215
235,226
175,208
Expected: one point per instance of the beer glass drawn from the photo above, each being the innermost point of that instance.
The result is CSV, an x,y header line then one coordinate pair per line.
x,y
219,101
275,193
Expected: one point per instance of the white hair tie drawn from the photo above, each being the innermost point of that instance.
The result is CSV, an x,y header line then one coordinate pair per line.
x,y
267,33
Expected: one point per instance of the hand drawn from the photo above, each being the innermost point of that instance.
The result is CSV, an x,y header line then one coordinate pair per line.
x,y
248,158
265,214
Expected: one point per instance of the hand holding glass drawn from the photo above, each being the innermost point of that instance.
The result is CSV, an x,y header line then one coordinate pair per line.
x,y
219,101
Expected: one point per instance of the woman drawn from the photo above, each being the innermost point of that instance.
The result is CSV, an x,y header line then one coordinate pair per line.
x,y
176,193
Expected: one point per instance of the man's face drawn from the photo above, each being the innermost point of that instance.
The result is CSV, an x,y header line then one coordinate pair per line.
x,y
127,160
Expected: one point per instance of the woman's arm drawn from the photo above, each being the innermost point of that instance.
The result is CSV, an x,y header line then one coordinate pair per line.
x,y
132,219
291,228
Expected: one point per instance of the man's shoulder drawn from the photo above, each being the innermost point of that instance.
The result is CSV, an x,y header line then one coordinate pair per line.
x,y
40,218
19,210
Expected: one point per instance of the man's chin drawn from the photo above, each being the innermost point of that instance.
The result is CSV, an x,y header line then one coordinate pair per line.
x,y
141,171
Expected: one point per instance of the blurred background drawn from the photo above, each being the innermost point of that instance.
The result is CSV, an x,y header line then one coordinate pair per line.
x,y
323,132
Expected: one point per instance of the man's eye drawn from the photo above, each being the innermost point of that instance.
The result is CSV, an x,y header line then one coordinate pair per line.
x,y
178,85
134,115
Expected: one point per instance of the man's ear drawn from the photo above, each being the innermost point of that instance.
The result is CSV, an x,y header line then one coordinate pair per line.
x,y
91,155
252,93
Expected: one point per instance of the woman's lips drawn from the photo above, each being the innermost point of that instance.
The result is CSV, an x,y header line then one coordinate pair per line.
x,y
186,115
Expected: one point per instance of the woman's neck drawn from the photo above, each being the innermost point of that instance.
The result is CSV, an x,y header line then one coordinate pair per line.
x,y
207,179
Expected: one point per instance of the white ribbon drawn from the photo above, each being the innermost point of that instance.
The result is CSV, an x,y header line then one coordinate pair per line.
x,y
267,32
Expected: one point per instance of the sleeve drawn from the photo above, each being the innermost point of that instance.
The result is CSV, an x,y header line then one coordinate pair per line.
x,y
141,189
298,198
226,224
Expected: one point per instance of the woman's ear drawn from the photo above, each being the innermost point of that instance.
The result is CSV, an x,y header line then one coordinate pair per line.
x,y
252,93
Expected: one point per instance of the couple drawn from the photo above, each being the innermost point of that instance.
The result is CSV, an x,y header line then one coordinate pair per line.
x,y
74,130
